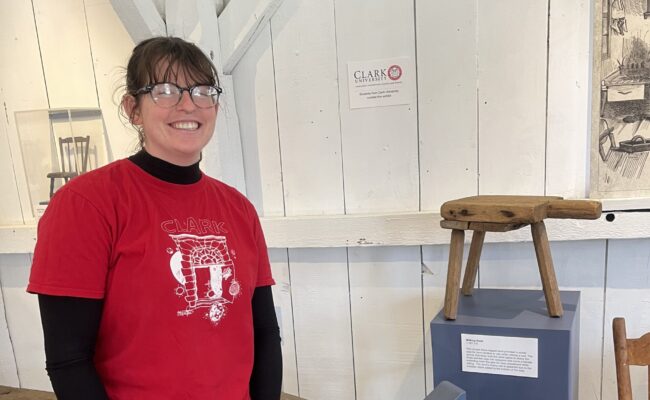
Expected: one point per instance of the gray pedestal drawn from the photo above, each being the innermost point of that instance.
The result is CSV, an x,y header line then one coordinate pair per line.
x,y
499,331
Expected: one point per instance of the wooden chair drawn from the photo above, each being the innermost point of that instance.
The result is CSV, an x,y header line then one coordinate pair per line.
x,y
74,159
628,352
482,214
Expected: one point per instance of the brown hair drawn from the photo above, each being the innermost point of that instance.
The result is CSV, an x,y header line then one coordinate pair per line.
x,y
175,56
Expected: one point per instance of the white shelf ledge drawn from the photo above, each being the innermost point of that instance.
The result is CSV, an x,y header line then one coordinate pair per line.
x,y
406,229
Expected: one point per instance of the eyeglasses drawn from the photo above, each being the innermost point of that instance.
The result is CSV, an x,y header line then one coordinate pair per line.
x,y
167,94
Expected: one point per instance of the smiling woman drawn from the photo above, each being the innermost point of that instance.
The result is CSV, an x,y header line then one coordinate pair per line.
x,y
172,126
165,290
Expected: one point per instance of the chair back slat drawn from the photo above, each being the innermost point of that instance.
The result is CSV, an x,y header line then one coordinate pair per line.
x,y
74,158
628,352
638,350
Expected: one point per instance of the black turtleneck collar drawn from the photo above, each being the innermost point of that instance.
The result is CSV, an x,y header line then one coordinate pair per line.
x,y
166,171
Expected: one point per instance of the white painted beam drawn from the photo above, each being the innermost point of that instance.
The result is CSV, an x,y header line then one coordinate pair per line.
x,y
196,21
140,18
423,228
239,24
407,229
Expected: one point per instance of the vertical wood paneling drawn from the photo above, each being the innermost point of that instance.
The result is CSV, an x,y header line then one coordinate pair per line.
x,y
255,87
380,147
308,114
628,295
512,96
111,48
386,299
434,274
282,300
568,98
304,51
447,76
8,368
380,165
63,38
322,324
10,159
22,88
24,321
579,265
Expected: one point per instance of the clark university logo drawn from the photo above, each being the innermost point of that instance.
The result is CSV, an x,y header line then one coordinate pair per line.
x,y
394,72
205,273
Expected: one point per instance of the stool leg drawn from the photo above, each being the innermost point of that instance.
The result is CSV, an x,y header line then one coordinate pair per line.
x,y
472,262
546,270
453,272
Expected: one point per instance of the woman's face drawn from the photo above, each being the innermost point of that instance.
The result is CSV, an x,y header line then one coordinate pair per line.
x,y
177,134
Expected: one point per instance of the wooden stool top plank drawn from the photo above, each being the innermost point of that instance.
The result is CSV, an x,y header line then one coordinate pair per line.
x,y
518,209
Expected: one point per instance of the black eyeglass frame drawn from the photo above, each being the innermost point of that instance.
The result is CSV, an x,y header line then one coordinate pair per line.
x,y
149,89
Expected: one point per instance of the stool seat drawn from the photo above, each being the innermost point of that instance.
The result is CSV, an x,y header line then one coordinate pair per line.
x,y
517,209
502,213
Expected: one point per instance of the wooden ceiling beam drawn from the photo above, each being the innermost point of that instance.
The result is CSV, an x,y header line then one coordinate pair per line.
x,y
140,18
239,24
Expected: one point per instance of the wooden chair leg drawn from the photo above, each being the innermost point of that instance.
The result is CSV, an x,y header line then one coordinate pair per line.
x,y
453,272
51,187
472,262
546,270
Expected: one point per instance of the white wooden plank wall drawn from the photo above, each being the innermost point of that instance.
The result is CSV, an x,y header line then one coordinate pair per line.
x,y
68,68
111,48
380,167
23,319
22,87
8,368
284,306
434,274
447,100
304,53
568,137
386,299
69,76
627,295
512,58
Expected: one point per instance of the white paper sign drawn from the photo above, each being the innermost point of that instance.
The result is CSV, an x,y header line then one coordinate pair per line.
x,y
499,355
377,83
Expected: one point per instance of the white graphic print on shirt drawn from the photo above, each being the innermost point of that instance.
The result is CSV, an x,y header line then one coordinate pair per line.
x,y
205,273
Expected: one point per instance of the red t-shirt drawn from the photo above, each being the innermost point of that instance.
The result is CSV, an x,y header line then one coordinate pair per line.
x,y
176,266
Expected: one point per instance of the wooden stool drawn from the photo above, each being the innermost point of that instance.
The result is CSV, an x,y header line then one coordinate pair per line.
x,y
501,214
